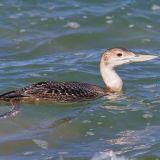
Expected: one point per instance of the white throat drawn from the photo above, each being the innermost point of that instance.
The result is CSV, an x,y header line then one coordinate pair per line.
x,y
111,79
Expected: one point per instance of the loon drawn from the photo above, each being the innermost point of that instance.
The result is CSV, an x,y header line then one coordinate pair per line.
x,y
76,91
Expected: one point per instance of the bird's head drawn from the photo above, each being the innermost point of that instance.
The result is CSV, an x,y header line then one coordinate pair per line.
x,y
114,57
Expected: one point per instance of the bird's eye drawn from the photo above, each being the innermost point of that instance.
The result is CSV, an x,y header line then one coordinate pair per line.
x,y
119,54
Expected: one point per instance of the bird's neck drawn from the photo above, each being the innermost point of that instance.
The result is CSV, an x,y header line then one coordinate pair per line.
x,y
111,79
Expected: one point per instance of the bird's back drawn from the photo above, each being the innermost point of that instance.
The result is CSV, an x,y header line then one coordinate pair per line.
x,y
56,91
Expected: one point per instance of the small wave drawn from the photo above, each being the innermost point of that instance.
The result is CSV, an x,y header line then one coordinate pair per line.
x,y
108,155
155,7
73,25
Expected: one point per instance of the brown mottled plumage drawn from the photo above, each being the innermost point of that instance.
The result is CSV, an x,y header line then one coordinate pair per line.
x,y
56,91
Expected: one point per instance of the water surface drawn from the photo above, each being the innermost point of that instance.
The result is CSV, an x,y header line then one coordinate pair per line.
x,y
63,41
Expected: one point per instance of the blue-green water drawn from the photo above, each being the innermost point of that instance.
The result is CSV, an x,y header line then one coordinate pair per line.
x,y
63,41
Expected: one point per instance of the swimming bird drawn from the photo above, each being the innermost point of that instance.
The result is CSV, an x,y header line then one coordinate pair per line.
x,y
76,91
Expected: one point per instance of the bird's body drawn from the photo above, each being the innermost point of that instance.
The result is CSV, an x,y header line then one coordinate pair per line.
x,y
55,91
75,91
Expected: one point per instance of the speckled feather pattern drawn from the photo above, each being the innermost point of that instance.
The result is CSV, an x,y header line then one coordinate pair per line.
x,y
56,91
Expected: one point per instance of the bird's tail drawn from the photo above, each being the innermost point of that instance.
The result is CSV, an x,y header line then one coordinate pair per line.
x,y
10,95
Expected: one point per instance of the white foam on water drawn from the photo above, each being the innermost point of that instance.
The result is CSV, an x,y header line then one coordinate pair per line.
x,y
99,123
22,30
129,14
109,21
51,8
33,23
89,133
49,158
73,25
155,7
145,40
131,25
108,155
41,143
61,18
85,17
149,26
27,153
109,17
44,19
86,121
147,115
